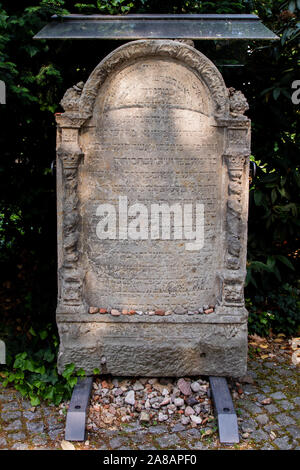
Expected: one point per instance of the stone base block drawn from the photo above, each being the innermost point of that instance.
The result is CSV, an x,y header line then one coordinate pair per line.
x,y
154,349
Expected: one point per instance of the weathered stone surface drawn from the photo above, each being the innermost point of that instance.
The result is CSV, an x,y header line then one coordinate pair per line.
x,y
154,124
207,349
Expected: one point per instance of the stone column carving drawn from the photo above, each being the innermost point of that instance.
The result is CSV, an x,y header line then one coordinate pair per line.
x,y
236,160
69,157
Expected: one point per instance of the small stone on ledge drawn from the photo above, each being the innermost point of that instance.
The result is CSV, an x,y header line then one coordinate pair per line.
x,y
93,310
160,312
115,312
209,310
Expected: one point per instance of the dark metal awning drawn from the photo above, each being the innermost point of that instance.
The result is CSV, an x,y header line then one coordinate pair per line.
x,y
156,27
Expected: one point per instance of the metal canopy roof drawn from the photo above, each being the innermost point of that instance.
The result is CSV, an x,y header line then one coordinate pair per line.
x,y
156,27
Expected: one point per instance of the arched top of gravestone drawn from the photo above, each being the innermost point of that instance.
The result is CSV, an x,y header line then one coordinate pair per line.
x,y
183,53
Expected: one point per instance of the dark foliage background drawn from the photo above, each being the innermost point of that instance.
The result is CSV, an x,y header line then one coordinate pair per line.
x,y
37,73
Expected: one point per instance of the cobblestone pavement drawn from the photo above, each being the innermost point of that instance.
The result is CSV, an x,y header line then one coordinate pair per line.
x,y
268,413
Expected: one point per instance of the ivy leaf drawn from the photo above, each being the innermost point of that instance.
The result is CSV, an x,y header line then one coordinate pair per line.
x,y
32,332
285,261
69,369
34,400
43,334
80,372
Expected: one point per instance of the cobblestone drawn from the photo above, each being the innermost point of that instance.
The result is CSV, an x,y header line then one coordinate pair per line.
x,y
271,409
262,419
259,435
284,419
32,415
286,405
278,395
116,442
249,425
272,427
10,406
178,427
14,426
295,414
10,415
35,426
283,443
294,431
22,427
17,437
252,407
39,441
168,441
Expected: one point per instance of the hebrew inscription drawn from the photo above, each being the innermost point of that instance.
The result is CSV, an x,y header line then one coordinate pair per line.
x,y
154,141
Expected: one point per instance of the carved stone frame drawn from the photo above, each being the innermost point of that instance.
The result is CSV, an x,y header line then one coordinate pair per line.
x,y
78,103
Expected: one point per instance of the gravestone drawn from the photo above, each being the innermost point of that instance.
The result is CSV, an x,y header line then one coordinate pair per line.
x,y
152,181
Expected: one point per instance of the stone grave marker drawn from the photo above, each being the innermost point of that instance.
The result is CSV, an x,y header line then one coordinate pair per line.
x,y
152,194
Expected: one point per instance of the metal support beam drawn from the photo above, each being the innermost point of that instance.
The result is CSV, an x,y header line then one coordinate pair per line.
x,y
76,416
227,419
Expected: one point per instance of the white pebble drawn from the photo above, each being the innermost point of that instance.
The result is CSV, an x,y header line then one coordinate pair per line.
x,y
195,387
185,420
162,417
196,419
129,399
179,402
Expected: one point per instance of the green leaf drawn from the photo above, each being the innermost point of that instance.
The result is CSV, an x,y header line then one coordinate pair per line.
x,y
43,334
283,192
273,195
29,365
32,332
49,394
80,372
271,262
258,196
34,400
68,371
72,381
285,261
